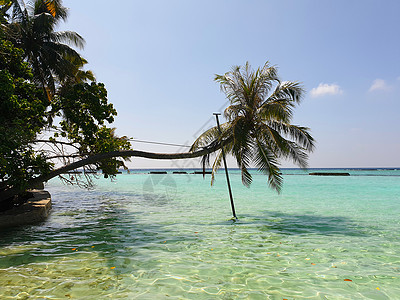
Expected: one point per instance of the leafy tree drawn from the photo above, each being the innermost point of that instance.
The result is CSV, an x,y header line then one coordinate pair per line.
x,y
22,109
84,109
39,134
25,114
81,108
258,131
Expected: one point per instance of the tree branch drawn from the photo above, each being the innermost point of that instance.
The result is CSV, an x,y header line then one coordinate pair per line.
x,y
64,156
11,191
56,142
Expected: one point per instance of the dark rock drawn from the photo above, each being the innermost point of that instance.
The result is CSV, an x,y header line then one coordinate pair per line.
x,y
35,209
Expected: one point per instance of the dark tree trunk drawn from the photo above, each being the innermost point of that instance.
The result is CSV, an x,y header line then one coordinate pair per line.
x,y
11,192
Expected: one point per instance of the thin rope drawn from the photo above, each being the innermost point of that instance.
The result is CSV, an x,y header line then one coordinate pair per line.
x,y
158,143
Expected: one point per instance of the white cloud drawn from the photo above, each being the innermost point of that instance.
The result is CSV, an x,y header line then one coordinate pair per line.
x,y
326,89
379,85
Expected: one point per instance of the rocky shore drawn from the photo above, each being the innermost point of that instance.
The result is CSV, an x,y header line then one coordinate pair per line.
x,y
35,210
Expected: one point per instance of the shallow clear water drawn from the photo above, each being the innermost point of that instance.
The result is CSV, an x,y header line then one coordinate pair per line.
x,y
169,236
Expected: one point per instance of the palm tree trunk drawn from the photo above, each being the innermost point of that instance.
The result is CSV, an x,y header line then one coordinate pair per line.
x,y
12,191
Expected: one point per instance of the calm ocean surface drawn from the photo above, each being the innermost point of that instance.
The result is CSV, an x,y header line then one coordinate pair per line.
x,y
169,236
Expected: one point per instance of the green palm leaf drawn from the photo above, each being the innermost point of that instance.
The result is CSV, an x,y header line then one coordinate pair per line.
x,y
216,165
266,162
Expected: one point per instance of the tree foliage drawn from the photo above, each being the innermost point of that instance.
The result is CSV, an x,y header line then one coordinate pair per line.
x,y
22,117
32,28
37,66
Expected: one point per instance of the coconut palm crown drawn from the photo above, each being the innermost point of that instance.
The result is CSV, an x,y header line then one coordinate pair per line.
x,y
48,52
258,132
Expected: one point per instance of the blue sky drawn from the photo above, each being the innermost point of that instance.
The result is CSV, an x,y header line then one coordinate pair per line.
x,y
158,60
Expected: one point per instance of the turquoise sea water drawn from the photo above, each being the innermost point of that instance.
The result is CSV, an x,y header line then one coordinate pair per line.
x,y
169,237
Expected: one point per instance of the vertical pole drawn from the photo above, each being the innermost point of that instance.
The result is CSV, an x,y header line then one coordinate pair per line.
x,y
226,171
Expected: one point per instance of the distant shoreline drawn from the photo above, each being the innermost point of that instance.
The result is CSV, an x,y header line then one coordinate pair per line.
x,y
255,169
250,169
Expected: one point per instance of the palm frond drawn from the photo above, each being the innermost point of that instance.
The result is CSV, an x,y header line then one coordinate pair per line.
x,y
53,59
293,91
283,147
216,165
68,37
32,28
297,154
278,110
19,11
52,7
230,88
62,50
266,163
298,134
242,147
266,77
205,162
83,76
271,137
247,179
233,111
212,136
206,138
279,105
43,24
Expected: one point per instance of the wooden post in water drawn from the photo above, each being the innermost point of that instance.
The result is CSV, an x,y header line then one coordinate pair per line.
x,y
226,171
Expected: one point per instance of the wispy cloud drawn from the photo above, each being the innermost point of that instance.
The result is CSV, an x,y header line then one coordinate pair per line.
x,y
324,89
379,85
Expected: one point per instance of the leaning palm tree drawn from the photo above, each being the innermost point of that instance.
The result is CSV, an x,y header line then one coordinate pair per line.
x,y
48,52
258,131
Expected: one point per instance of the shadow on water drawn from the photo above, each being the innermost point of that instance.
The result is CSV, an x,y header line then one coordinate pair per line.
x,y
303,224
298,224
109,230
109,227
